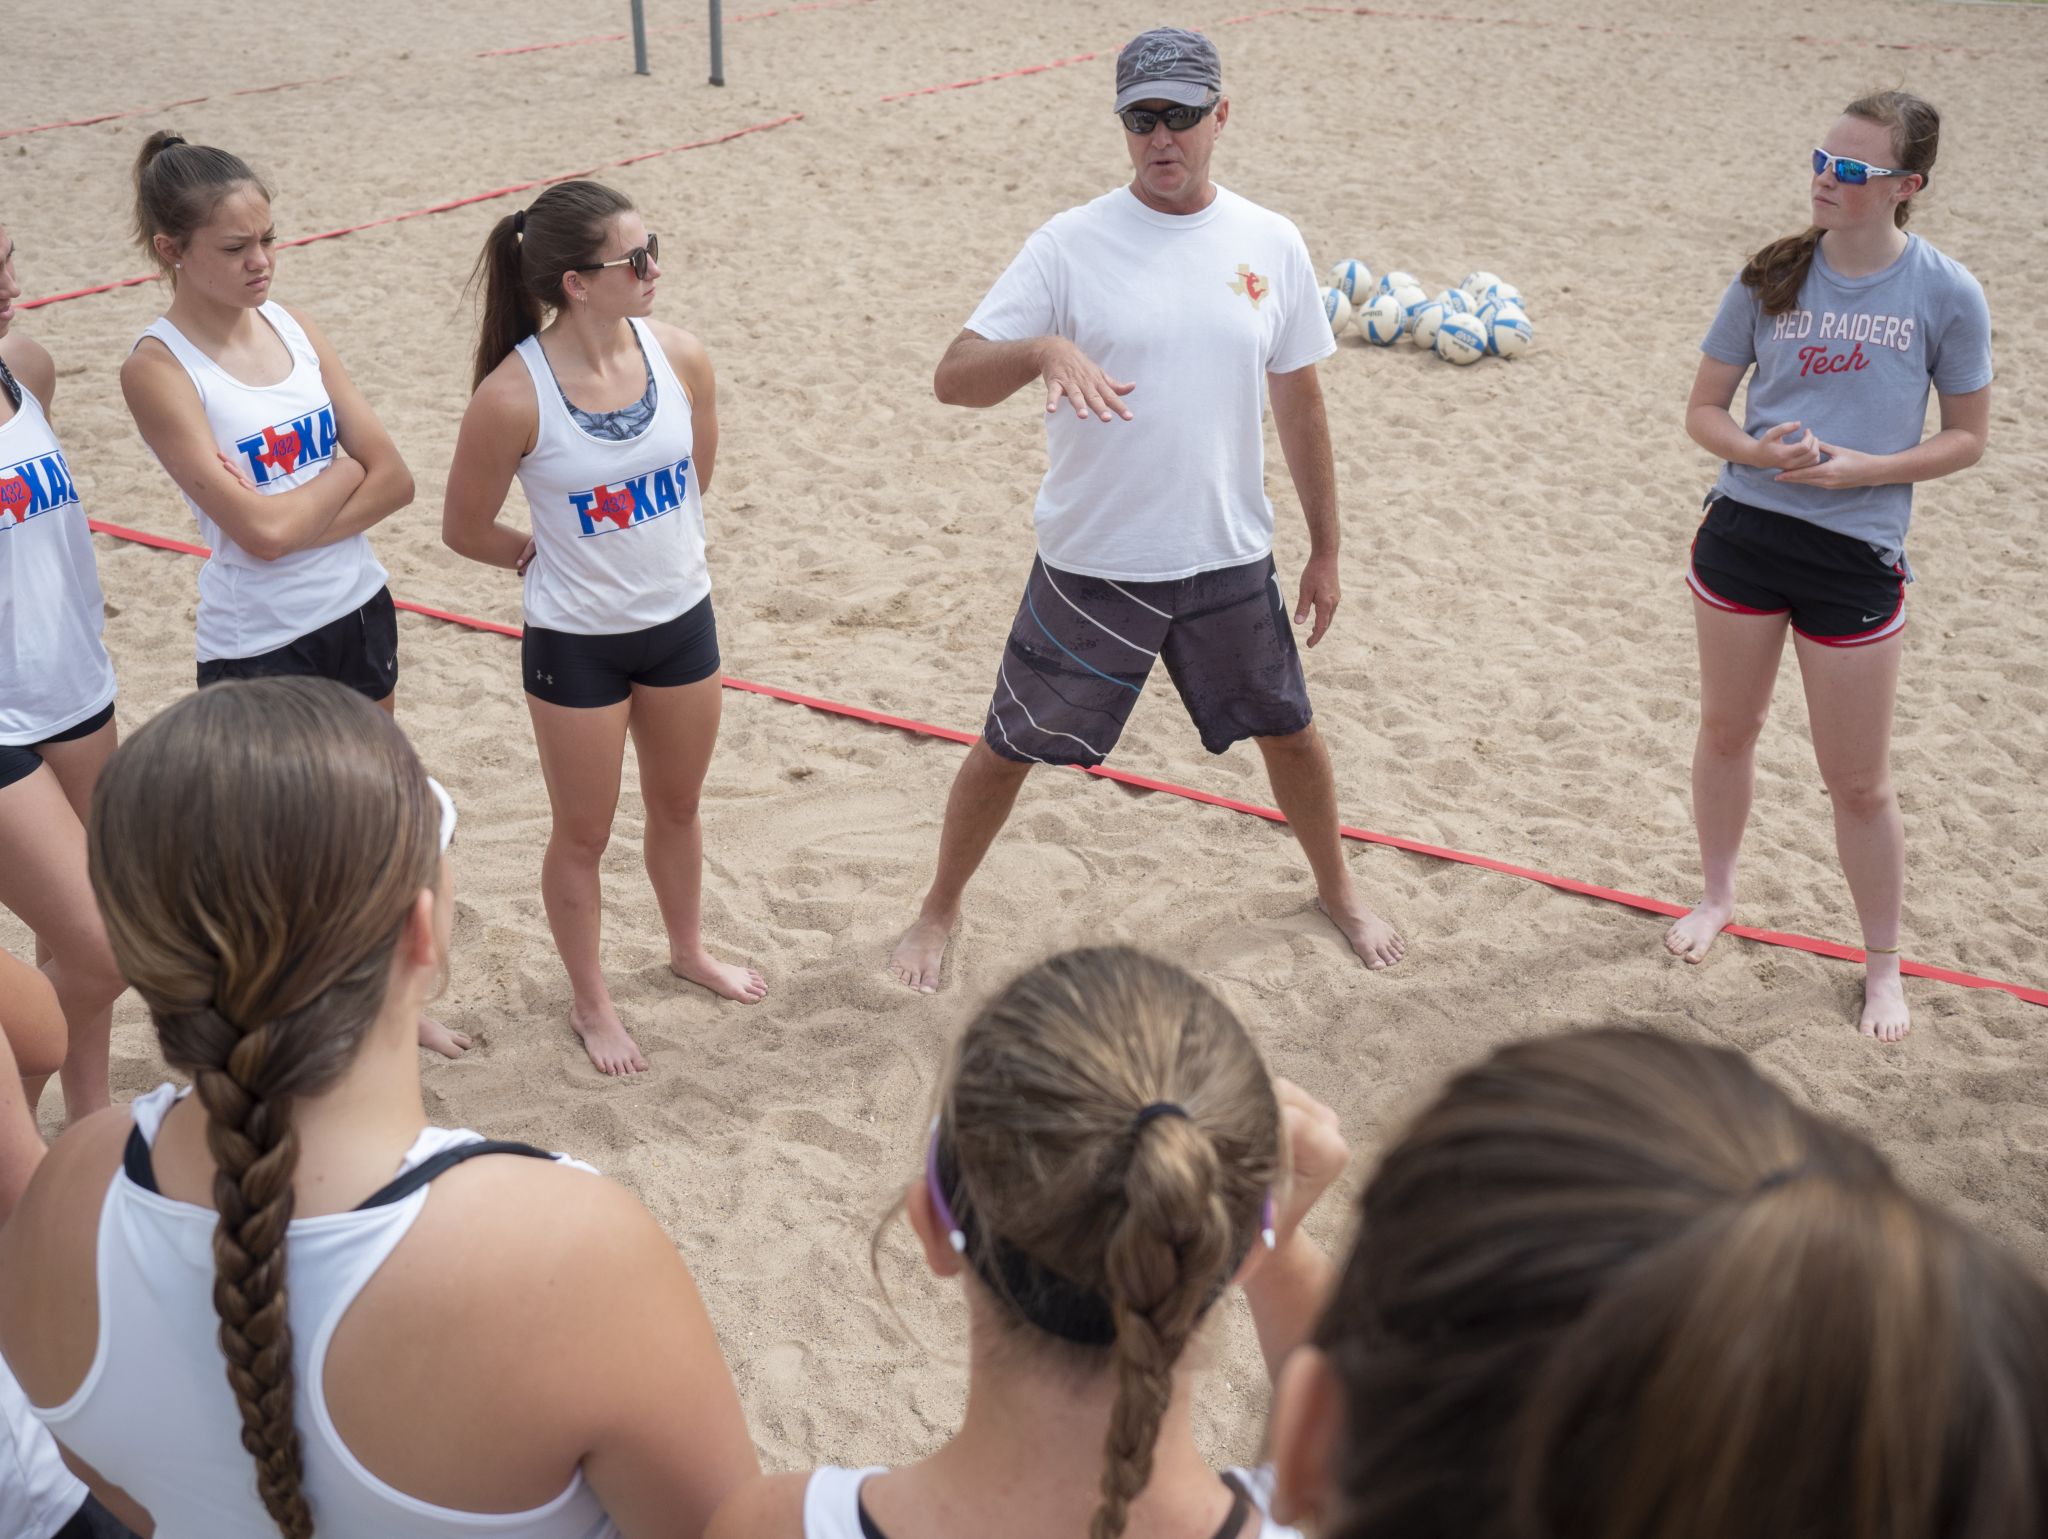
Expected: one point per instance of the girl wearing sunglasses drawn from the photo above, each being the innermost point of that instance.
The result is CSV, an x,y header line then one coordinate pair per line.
x,y
609,422
1109,1158
1846,326
283,1301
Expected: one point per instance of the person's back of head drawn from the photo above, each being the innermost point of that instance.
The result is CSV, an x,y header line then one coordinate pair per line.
x,y
1106,1143
256,851
1616,1286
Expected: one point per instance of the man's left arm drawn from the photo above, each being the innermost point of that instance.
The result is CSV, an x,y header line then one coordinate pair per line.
x,y
1304,430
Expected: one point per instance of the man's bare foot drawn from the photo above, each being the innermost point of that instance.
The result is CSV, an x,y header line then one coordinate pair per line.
x,y
1691,935
610,1048
722,978
1377,943
918,956
1885,1016
436,1038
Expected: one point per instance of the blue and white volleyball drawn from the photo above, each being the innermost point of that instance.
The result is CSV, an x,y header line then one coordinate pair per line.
x,y
1477,283
1353,279
1501,292
1380,320
1508,332
1461,339
1422,330
1457,302
1337,310
1395,281
1412,302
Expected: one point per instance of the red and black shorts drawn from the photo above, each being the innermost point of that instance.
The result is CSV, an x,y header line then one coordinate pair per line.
x,y
1081,649
1836,589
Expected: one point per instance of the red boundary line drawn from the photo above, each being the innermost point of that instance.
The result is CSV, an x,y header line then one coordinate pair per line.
x,y
1786,939
442,208
188,101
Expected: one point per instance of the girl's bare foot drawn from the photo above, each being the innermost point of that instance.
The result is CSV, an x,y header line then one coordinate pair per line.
x,y
918,956
436,1038
606,1041
1690,936
742,984
1885,1016
1377,943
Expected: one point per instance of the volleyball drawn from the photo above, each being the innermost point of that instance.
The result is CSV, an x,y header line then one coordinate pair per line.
x,y
1395,281
1337,310
1461,339
1501,292
1457,302
1380,320
1477,283
1423,328
1508,332
1413,301
1353,279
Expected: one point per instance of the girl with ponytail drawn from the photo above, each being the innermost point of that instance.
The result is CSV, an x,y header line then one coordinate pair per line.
x,y
1611,1285
245,1306
608,419
1108,1158
246,405
1847,327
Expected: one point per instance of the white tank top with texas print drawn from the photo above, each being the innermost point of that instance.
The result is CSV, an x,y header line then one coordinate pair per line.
x,y
618,526
279,436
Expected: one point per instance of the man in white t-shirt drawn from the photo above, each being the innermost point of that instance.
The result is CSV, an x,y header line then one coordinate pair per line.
x,y
1159,317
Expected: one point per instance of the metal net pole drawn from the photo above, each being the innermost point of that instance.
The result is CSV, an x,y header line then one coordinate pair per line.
x,y
717,42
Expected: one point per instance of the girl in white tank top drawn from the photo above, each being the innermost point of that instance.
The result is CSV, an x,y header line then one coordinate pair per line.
x,y
247,1307
56,714
1109,1157
608,420
279,457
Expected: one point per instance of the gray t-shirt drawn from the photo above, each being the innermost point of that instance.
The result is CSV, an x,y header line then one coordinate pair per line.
x,y
1853,361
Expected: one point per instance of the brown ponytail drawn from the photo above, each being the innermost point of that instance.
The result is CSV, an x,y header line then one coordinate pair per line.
x,y
178,185
524,257
1084,1207
255,850
1616,1286
1778,271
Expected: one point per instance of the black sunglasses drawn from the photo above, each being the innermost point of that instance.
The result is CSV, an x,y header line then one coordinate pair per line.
x,y
1142,120
637,259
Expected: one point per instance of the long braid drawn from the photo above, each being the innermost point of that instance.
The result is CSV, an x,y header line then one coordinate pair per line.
x,y
1161,1266
255,1151
257,850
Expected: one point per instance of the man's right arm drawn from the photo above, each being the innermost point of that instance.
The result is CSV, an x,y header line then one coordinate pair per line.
x,y
979,372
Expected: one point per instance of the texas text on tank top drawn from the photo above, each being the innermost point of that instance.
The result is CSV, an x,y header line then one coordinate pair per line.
x,y
279,436
833,1508
618,525
155,1414
54,671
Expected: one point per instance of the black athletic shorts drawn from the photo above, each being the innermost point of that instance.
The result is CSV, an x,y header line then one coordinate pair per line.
x,y
564,668
19,761
1837,590
360,650
1081,649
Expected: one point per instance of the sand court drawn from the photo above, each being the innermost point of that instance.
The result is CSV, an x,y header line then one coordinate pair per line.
x,y
1512,671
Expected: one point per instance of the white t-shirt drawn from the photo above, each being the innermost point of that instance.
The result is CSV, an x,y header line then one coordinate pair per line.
x,y
1196,309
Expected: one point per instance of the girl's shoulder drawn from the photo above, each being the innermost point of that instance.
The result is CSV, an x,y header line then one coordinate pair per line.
x,y
771,1507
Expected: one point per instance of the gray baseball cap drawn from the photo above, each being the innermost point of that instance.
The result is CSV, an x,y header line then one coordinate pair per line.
x,y
1168,64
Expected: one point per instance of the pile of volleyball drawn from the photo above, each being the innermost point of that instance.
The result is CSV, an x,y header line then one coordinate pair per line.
x,y
1483,316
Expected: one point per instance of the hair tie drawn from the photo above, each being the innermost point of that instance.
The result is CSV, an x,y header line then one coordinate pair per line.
x,y
171,140
519,224
1159,1109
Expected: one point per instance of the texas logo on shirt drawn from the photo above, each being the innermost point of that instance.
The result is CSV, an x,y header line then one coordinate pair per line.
x,y
33,488
285,447
608,509
1250,284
